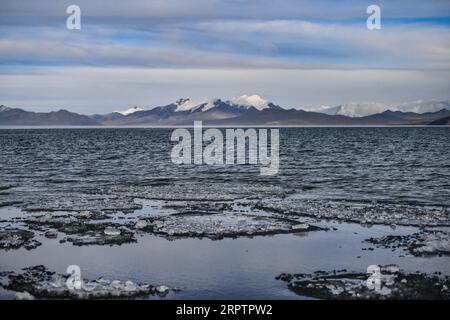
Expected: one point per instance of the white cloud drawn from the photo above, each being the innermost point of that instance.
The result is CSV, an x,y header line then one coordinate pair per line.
x,y
296,53
232,43
211,9
50,88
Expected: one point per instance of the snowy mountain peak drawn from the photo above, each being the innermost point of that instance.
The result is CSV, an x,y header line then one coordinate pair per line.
x,y
242,102
4,108
129,111
369,108
181,101
354,109
195,105
250,101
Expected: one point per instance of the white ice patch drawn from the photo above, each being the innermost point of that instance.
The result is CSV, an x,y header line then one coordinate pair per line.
x,y
435,244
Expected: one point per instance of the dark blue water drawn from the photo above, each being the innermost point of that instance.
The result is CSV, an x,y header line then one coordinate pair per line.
x,y
393,165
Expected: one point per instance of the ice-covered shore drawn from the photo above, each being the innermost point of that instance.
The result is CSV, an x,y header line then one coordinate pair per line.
x,y
424,243
38,282
362,213
15,238
390,283
221,225
119,216
213,210
257,196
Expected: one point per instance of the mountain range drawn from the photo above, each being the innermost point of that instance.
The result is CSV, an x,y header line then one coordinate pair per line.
x,y
370,108
16,116
244,110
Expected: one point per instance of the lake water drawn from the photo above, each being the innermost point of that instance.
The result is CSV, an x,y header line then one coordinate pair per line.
x,y
408,166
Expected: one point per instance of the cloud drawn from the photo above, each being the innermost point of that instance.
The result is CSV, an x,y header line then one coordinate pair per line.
x,y
117,11
233,43
225,33
298,53
51,88
341,44
47,51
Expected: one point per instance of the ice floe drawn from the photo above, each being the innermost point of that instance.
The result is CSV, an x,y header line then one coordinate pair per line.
x,y
17,238
425,242
220,225
373,213
38,282
391,283
81,231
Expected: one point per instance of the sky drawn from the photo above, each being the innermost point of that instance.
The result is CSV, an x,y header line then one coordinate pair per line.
x,y
298,54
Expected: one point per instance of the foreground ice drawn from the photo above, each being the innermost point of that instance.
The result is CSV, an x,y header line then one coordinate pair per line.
x,y
220,225
213,210
38,282
435,243
81,202
14,238
373,213
206,191
82,229
115,199
425,242
263,197
392,283
212,219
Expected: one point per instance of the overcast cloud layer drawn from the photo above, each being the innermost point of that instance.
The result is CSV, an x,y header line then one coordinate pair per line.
x,y
148,53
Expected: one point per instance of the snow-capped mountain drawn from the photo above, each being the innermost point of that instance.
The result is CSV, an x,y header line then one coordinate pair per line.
x,y
186,110
4,108
242,102
352,109
250,101
196,105
423,106
249,109
370,108
129,111
243,110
